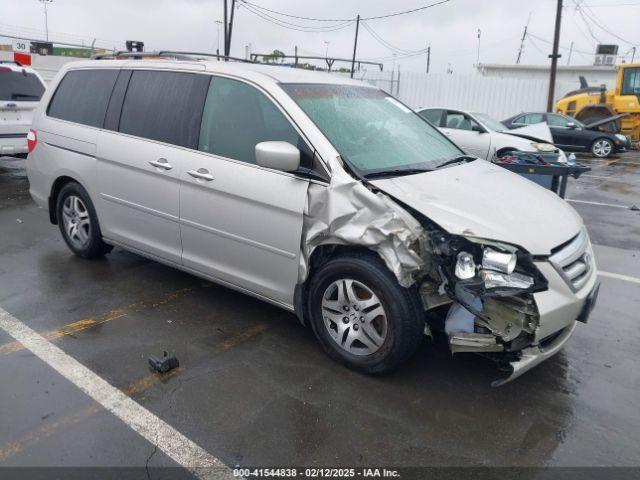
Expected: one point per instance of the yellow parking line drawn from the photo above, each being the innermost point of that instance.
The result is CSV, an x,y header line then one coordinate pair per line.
x,y
80,325
243,335
607,163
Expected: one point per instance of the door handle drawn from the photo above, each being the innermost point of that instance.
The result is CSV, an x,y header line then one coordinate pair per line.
x,y
201,173
161,163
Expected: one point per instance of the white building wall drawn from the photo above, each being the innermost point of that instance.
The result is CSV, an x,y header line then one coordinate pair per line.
x,y
498,97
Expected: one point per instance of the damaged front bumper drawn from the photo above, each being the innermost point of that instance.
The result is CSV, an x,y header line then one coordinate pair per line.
x,y
521,328
532,356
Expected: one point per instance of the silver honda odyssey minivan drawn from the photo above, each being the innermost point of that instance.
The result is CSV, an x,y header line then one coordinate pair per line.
x,y
322,195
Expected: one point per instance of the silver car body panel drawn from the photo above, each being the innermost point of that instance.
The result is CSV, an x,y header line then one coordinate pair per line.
x,y
482,200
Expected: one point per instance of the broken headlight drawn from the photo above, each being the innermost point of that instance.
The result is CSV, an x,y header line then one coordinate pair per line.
x,y
496,268
493,279
544,147
501,261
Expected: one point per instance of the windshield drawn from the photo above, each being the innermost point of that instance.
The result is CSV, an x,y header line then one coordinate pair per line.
x,y
371,130
490,123
19,86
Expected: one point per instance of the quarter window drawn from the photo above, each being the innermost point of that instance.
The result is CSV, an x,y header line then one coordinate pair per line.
x,y
237,116
82,96
164,106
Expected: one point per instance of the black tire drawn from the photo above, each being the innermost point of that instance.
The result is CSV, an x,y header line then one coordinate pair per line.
x,y
94,246
598,152
404,315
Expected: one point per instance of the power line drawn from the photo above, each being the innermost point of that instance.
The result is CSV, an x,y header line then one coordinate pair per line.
x,y
376,17
406,11
388,45
296,16
592,16
292,26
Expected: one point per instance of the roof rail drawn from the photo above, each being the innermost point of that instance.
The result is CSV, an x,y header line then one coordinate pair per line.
x,y
200,54
139,55
164,54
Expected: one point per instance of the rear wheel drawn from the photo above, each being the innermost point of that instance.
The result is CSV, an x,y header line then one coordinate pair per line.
x,y
78,222
362,316
602,147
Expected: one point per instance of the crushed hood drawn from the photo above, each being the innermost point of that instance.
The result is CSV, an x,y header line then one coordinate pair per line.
x,y
483,200
538,132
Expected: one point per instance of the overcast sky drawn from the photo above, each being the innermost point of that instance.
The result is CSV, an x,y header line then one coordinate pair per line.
x,y
450,28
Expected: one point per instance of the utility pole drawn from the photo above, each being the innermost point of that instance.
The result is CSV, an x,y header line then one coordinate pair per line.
x,y
355,46
46,17
524,37
478,56
633,56
554,58
225,30
428,57
296,59
233,9
570,52
218,23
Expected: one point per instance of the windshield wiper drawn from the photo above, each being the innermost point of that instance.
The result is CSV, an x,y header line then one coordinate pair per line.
x,y
397,172
458,159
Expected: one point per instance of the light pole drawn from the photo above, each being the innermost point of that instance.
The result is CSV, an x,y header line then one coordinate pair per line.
x,y
218,23
478,56
46,20
326,49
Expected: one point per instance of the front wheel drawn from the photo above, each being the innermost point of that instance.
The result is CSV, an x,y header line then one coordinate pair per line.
x,y
602,148
362,316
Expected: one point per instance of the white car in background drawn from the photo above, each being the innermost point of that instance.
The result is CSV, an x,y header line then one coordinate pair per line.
x,y
20,91
482,136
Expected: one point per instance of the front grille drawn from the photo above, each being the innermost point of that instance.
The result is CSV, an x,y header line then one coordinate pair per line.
x,y
574,261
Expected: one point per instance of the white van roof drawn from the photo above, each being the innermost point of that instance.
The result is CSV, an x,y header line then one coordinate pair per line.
x,y
253,71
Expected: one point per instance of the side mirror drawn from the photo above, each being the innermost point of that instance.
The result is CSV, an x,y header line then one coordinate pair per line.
x,y
477,128
571,125
278,156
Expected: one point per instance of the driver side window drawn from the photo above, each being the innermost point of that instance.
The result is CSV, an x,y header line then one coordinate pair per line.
x,y
460,121
237,117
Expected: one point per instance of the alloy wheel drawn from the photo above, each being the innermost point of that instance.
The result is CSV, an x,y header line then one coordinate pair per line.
x,y
354,317
602,148
76,221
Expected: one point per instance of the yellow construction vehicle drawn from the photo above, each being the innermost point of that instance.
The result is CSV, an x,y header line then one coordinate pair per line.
x,y
595,106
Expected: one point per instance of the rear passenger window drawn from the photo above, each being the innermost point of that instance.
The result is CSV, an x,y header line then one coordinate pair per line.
x,y
164,106
82,96
237,116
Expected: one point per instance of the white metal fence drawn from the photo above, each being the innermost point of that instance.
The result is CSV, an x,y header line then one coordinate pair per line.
x,y
498,97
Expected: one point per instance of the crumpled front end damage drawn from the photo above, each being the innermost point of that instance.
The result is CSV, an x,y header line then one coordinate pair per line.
x,y
496,322
348,213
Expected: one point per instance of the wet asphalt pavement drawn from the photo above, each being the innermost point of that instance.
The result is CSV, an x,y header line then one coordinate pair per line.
x,y
254,387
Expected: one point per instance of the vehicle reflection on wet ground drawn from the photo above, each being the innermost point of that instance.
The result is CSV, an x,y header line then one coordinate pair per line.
x,y
254,388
